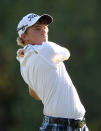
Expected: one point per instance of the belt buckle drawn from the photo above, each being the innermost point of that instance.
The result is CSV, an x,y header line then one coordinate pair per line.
x,y
81,123
77,123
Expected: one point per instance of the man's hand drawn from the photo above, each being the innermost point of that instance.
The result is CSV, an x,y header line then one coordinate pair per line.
x,y
33,94
21,53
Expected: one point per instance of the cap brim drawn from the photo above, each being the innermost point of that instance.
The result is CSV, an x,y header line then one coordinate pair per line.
x,y
47,19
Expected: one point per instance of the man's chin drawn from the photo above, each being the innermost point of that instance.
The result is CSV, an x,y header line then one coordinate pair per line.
x,y
46,39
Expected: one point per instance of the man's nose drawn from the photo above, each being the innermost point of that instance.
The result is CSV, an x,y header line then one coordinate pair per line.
x,y
43,31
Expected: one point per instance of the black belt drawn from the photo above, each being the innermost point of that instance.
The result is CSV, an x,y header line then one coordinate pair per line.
x,y
67,122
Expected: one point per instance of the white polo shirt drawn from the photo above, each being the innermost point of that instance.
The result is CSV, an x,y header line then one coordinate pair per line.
x,y
42,68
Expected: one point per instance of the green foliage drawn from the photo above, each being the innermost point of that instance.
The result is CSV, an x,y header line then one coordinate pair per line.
x,y
76,26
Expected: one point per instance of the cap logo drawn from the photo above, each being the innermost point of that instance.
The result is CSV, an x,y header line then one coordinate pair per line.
x,y
30,17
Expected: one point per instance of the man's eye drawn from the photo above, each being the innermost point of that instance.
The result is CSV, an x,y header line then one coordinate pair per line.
x,y
38,28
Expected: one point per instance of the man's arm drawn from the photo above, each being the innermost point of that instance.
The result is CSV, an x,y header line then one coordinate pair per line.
x,y
60,53
33,94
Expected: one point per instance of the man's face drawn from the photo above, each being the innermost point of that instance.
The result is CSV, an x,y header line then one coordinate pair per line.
x,y
36,34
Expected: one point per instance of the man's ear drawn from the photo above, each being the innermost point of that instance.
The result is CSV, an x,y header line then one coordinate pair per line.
x,y
23,36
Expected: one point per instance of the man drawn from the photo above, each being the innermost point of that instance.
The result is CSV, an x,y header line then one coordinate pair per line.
x,y
42,68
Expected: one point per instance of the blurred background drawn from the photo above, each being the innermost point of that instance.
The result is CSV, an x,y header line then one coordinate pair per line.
x,y
77,27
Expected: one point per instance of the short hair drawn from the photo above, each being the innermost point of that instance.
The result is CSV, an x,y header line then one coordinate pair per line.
x,y
20,42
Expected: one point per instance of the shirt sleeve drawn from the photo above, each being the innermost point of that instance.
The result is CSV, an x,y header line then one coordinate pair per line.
x,y
27,63
55,53
61,53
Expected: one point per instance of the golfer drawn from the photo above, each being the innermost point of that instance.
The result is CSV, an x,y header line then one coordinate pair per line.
x,y
43,70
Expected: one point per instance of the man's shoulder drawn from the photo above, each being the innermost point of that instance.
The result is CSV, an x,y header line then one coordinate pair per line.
x,y
51,44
